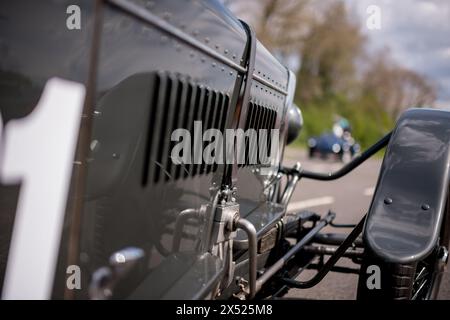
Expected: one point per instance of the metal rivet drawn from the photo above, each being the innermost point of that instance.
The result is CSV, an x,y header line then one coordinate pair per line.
x,y
387,200
425,206
226,51
213,64
116,155
207,40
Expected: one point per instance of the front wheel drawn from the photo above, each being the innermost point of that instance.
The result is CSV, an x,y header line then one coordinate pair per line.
x,y
415,281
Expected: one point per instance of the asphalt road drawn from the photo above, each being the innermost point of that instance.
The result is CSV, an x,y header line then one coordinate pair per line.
x,y
349,197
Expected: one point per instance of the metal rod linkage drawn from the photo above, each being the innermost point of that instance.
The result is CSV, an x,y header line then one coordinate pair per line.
x,y
282,261
324,250
330,262
336,239
345,169
342,225
338,269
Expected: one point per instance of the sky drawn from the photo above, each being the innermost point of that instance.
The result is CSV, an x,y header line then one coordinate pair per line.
x,y
417,33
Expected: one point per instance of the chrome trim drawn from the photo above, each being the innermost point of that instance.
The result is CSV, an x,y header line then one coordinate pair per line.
x,y
181,220
249,228
290,187
290,93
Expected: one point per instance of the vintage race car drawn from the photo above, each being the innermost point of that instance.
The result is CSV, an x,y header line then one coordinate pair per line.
x,y
329,145
135,163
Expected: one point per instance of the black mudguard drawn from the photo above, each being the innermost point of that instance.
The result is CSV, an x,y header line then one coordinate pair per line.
x,y
407,210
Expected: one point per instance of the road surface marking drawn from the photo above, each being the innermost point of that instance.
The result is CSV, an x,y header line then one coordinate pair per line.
x,y
315,202
369,191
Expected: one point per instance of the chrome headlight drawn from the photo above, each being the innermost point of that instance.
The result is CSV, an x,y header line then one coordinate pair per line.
x,y
312,142
295,123
336,148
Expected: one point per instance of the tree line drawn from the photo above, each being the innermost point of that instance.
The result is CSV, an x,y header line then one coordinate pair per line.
x,y
336,72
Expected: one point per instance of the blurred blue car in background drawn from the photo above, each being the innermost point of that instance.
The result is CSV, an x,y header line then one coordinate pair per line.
x,y
338,144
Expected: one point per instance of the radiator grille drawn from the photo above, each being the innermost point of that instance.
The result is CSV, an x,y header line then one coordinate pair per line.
x,y
177,102
258,117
